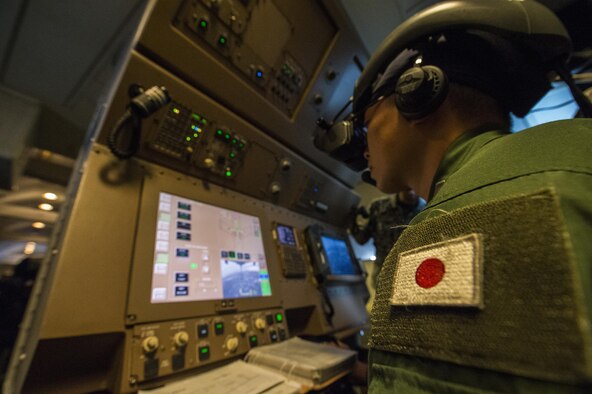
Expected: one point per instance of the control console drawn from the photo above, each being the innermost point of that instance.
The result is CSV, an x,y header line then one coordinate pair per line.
x,y
236,31
160,349
200,142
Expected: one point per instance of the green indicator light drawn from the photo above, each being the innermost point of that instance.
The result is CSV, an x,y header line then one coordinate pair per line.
x,y
234,141
227,136
204,350
196,117
241,145
193,266
228,173
232,154
204,121
286,69
219,132
222,40
253,339
188,139
195,135
279,317
218,325
203,24
176,110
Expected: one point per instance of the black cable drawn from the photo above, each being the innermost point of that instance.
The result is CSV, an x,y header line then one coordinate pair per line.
x,y
131,122
327,305
141,106
349,101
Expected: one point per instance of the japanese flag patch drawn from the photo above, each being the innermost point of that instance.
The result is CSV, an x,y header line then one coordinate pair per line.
x,y
448,273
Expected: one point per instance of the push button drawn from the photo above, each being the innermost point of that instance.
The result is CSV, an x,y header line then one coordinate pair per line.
x,y
269,319
253,341
273,336
219,328
203,353
202,330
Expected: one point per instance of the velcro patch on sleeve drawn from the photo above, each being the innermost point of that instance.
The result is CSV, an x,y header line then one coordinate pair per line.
x,y
448,273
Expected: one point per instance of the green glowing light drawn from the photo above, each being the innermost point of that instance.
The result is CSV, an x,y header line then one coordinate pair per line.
x,y
222,40
203,24
196,117
195,135
279,317
176,110
188,139
219,132
234,141
232,154
204,350
193,266
228,173
227,136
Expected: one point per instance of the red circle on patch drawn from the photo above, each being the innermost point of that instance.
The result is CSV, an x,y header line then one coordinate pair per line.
x,y
429,273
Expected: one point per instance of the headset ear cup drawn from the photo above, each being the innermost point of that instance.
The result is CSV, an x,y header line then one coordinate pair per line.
x,y
420,91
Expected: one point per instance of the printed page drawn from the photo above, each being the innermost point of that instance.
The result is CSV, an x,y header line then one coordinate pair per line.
x,y
304,352
237,377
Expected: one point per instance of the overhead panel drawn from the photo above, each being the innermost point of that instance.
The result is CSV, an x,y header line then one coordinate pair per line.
x,y
277,64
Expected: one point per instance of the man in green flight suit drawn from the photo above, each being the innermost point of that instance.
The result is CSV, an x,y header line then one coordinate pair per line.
x,y
490,287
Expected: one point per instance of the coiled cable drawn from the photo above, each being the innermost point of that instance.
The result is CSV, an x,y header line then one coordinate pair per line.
x,y
141,106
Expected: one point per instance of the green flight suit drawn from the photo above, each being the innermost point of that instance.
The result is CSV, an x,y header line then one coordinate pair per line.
x,y
525,199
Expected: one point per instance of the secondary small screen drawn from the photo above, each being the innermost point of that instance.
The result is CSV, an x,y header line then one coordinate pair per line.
x,y
338,256
204,252
286,235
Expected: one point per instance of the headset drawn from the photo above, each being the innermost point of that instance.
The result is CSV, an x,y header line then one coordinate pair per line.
x,y
421,89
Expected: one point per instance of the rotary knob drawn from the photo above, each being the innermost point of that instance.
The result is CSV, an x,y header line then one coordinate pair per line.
x,y
150,344
209,162
232,344
181,338
260,324
241,327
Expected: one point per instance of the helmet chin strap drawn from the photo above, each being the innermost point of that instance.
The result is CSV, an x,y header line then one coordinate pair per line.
x,y
367,177
584,103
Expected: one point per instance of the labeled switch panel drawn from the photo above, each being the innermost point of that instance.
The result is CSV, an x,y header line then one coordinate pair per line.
x,y
160,349
192,137
238,33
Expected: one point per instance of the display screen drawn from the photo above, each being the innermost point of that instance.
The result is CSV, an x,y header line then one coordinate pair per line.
x,y
338,256
286,235
204,252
